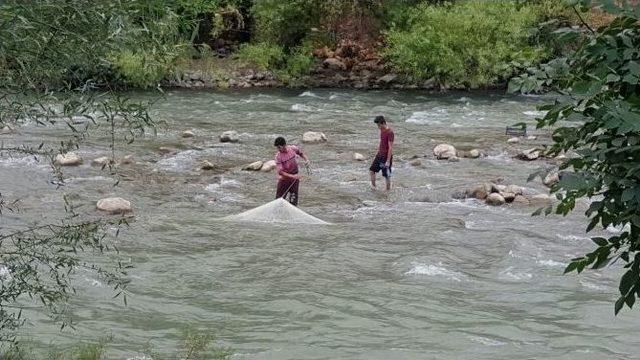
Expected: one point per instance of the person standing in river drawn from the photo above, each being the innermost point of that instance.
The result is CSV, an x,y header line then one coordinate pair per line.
x,y
287,167
384,158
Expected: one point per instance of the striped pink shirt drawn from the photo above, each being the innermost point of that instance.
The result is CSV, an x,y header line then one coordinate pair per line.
x,y
286,161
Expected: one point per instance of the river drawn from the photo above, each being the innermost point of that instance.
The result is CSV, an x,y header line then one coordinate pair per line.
x,y
412,274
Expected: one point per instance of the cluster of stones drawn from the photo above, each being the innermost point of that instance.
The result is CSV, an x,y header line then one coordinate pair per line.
x,y
497,194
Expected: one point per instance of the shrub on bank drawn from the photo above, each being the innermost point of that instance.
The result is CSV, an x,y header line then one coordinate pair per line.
x,y
263,55
473,43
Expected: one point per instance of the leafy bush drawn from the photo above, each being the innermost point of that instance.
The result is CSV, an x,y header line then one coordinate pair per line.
x,y
299,62
263,55
138,69
471,43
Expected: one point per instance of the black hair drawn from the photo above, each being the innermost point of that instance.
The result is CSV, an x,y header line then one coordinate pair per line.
x,y
380,120
280,141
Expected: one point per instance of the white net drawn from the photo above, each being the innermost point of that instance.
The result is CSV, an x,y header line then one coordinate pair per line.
x,y
278,211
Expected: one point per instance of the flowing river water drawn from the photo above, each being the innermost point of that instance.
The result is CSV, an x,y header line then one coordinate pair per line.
x,y
412,274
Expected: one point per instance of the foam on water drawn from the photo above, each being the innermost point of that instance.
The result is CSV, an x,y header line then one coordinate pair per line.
x,y
433,117
183,160
4,272
535,113
573,237
486,341
510,274
551,263
301,108
309,94
435,270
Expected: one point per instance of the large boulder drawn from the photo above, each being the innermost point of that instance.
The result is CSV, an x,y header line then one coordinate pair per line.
x,y
68,159
230,136
254,166
495,199
444,151
114,205
268,166
313,137
481,192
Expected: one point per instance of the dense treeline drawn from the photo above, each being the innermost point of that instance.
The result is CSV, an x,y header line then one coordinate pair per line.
x,y
139,43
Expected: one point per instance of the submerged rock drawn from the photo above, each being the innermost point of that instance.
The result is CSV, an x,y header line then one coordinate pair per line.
x,y
68,159
415,162
101,161
230,136
115,205
165,150
358,157
513,140
313,137
188,134
529,155
206,165
551,179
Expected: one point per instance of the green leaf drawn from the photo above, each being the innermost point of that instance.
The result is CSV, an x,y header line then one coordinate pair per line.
x,y
600,241
618,305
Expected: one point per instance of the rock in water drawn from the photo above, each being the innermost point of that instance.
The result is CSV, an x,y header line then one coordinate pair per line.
x,y
495,199
68,159
230,136
268,166
254,166
444,151
313,137
114,205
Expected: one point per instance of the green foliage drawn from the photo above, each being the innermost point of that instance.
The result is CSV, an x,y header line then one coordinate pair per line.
x,y
472,43
138,69
299,62
600,102
263,55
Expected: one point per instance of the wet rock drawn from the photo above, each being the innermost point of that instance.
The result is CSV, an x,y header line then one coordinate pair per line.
x,y
498,188
444,151
387,79
127,160
539,199
254,166
481,192
529,155
268,166
508,197
513,140
472,154
460,194
495,199
313,137
531,137
101,161
114,205
430,84
68,159
453,159
230,136
206,165
351,178
415,162
358,157
551,179
514,189
519,199
6,130
188,134
165,150
334,64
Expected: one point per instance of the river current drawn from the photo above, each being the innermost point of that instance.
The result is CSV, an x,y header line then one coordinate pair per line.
x,y
410,274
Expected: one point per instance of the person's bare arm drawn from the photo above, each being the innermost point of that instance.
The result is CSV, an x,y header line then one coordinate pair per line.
x,y
389,154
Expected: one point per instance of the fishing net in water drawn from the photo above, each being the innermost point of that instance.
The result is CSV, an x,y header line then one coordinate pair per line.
x,y
278,211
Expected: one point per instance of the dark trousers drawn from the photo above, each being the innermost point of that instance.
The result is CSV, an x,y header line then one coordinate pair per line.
x,y
289,187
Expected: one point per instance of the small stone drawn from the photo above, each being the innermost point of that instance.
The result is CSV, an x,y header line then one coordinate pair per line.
x,y
531,137
114,205
551,179
188,134
358,157
68,159
415,162
529,155
254,166
453,159
230,136
206,165
127,160
165,150
513,140
313,137
474,153
101,161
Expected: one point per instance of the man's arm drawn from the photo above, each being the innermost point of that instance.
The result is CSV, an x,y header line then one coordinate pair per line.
x,y
389,153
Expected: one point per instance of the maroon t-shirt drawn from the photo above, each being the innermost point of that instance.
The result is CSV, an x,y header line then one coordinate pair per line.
x,y
385,137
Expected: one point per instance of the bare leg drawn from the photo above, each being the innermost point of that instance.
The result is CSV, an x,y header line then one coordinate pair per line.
x,y
373,179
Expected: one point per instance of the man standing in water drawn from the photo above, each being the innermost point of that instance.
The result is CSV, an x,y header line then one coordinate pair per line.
x,y
287,167
384,158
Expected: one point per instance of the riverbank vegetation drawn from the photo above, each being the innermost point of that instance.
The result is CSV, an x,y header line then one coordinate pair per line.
x,y
459,44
